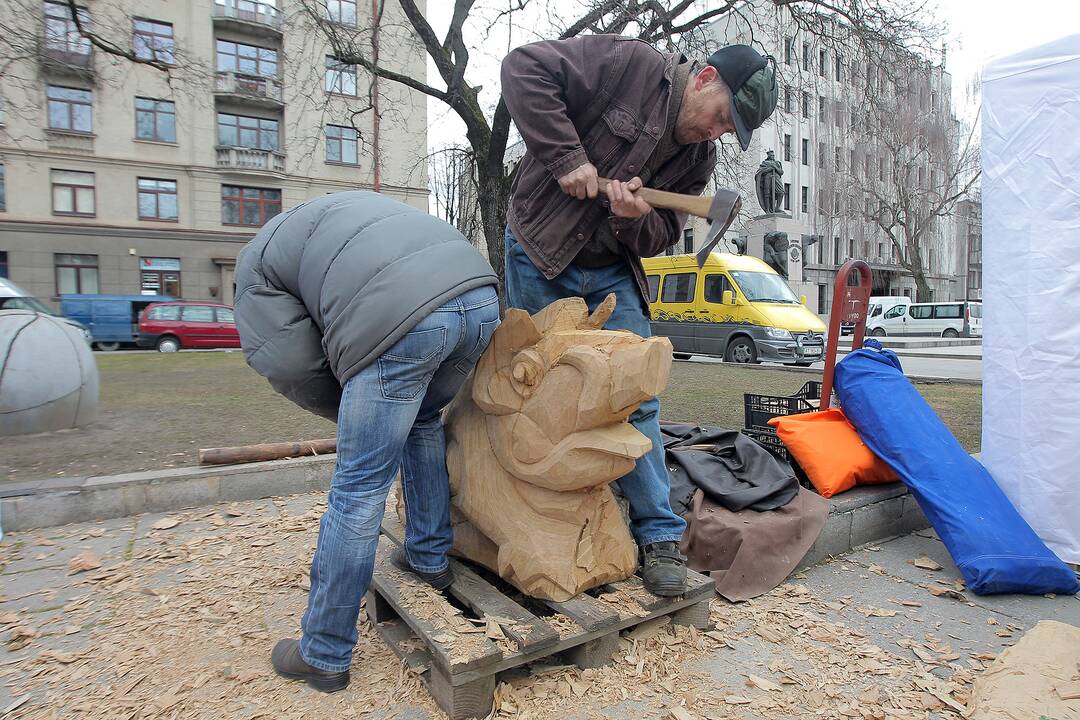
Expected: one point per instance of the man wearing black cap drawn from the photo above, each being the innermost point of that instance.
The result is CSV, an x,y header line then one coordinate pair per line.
x,y
614,107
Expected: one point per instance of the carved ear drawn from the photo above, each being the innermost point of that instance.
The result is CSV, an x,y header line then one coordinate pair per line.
x,y
601,313
494,388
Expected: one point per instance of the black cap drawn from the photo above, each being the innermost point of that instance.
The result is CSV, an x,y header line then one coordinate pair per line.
x,y
752,83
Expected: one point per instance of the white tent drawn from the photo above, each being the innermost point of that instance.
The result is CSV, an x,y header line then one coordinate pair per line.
x,y
1031,286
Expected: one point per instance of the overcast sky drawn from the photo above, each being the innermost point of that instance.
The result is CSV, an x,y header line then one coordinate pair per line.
x,y
979,30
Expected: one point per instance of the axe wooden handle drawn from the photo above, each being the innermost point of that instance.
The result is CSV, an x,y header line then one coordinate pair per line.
x,y
267,451
694,204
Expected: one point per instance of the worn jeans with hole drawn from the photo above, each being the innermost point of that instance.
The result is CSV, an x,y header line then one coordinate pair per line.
x,y
389,420
646,487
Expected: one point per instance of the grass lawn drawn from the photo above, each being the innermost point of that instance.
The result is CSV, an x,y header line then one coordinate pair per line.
x,y
158,409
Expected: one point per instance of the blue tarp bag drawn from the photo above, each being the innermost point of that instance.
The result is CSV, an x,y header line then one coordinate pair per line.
x,y
994,548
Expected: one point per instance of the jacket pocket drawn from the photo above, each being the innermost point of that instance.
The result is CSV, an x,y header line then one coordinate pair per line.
x,y
406,368
612,137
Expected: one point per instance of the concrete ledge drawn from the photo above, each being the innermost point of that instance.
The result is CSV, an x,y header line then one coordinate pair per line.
x,y
59,501
864,515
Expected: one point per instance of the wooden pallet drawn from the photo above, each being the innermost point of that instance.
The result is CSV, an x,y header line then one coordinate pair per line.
x,y
457,660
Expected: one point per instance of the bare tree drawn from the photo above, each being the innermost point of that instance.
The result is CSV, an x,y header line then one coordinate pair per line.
x,y
64,40
669,24
915,161
452,177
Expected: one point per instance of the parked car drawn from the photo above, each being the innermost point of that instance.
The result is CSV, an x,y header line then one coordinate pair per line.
x,y
735,307
170,326
113,320
945,319
13,297
877,306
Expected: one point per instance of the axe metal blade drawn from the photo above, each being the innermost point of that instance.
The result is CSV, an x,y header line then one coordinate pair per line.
x,y
725,206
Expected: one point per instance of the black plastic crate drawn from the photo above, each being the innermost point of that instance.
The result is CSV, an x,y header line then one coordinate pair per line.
x,y
759,409
768,439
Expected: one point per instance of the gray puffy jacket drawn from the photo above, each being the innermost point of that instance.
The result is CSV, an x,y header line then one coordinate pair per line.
x,y
325,288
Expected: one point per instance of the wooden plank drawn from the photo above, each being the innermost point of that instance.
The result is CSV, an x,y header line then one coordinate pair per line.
x,y
588,612
437,622
525,629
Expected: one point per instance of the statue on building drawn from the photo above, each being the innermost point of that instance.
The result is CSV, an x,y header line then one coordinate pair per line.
x,y
767,183
775,252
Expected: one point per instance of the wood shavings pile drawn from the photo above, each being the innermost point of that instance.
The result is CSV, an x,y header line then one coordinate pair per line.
x,y
182,627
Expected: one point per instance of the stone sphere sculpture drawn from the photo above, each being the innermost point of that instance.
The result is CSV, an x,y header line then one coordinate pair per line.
x,y
48,376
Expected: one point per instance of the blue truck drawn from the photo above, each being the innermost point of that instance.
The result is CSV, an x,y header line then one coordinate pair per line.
x,y
113,320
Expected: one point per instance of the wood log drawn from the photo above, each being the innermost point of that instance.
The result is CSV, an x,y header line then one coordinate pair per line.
x,y
266,451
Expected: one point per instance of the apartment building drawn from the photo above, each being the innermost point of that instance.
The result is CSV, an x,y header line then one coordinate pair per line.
x,y
120,178
969,244
828,150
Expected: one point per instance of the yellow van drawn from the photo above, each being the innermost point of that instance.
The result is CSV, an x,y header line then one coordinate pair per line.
x,y
736,307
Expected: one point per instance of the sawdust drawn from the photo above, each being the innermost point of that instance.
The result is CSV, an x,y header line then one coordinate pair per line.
x,y
183,629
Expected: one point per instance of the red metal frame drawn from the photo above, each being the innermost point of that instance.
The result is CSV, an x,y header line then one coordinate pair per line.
x,y
850,303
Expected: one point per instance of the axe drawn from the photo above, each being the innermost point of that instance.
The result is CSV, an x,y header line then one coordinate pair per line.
x,y
720,210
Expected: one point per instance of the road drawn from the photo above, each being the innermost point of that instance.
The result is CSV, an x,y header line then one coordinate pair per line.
x,y
950,368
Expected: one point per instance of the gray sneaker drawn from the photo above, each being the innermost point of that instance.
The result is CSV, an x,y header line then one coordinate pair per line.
x,y
663,569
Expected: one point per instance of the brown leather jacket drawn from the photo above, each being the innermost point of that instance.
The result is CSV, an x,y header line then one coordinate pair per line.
x,y
601,99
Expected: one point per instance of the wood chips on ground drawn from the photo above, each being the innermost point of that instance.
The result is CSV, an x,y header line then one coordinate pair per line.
x,y
183,627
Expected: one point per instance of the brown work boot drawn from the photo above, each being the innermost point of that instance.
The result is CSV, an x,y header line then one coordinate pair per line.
x,y
287,663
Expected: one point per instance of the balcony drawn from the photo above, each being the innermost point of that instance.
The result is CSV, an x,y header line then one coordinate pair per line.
x,y
66,141
238,158
249,89
63,62
248,16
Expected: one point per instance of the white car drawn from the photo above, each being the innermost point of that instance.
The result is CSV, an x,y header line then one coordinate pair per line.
x,y
957,318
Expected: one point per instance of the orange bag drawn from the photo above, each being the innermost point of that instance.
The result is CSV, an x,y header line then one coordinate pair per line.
x,y
830,451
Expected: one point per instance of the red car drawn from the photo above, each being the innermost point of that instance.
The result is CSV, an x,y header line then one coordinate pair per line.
x,y
169,326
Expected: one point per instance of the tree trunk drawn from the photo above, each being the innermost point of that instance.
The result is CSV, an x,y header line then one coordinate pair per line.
x,y
494,198
922,287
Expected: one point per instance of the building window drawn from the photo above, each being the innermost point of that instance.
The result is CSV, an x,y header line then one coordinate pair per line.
x,y
838,63
837,249
247,132
881,251
157,199
3,264
822,105
787,196
854,165
823,63
70,109
341,144
688,240
160,276
805,198
821,154
806,105
76,273
154,41
789,50
933,101
72,193
61,32
340,77
851,248
155,120
881,168
341,11
866,169
789,99
248,206
246,59
3,188
837,162
805,152
806,55
787,148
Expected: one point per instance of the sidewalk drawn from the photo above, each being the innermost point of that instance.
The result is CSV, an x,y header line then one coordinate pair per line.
x,y
179,618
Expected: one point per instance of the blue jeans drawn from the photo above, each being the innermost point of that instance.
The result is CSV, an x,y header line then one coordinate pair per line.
x,y
389,419
646,487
